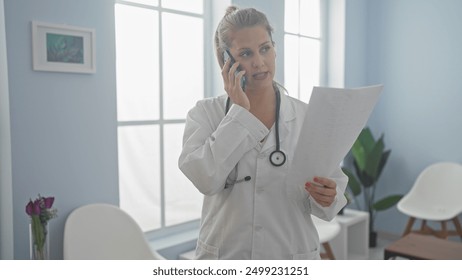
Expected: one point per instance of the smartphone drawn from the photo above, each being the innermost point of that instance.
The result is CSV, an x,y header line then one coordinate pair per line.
x,y
227,55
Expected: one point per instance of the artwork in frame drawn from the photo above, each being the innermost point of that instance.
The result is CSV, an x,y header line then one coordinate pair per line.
x,y
63,48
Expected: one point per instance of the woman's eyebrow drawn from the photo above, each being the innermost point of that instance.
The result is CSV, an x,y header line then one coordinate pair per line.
x,y
243,49
261,45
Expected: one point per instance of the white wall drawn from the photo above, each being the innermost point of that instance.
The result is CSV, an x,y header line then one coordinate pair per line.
x,y
336,43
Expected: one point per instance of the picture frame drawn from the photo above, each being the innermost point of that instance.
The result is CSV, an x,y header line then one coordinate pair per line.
x,y
63,48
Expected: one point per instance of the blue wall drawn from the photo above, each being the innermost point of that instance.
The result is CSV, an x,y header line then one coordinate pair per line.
x,y
413,48
63,126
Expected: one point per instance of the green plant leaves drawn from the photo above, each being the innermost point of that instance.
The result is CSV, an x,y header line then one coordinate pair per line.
x,y
369,157
386,202
362,147
383,161
373,158
353,183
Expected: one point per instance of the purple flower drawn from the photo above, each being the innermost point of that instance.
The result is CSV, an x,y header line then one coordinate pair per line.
x,y
33,208
30,208
41,207
49,202
36,209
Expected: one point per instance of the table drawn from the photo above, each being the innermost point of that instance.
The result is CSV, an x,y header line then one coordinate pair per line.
x,y
424,247
353,240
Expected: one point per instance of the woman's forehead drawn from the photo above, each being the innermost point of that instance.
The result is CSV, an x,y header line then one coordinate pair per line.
x,y
249,37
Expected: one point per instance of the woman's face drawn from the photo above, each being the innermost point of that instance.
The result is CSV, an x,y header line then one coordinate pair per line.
x,y
253,49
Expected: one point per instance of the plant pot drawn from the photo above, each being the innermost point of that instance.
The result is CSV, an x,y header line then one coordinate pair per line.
x,y
372,239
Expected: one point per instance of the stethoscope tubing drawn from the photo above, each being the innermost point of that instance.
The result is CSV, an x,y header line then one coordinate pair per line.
x,y
277,157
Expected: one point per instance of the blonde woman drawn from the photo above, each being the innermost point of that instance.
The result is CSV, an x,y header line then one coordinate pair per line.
x,y
237,150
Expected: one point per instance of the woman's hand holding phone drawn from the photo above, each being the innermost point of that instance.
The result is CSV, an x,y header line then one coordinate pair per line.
x,y
232,78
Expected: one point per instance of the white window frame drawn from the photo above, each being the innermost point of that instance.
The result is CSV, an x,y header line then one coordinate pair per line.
x,y
323,39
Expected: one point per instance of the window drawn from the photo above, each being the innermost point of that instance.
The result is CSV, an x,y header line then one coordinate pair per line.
x,y
156,42
302,47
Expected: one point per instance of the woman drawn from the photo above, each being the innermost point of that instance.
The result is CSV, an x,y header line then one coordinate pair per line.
x,y
228,145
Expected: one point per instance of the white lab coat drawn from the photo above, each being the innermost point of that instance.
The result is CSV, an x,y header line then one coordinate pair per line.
x,y
262,218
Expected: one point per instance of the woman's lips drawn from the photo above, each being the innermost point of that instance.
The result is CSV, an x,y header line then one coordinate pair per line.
x,y
260,76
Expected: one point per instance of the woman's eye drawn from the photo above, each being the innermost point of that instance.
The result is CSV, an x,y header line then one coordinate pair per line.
x,y
265,49
244,54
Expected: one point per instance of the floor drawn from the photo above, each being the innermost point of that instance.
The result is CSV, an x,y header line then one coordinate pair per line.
x,y
377,252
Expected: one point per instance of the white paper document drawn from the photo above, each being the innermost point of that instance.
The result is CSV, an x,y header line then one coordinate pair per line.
x,y
334,119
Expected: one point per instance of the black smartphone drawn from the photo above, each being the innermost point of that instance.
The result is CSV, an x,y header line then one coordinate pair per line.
x,y
227,55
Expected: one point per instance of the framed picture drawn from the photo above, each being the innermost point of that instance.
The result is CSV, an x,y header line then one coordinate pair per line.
x,y
63,48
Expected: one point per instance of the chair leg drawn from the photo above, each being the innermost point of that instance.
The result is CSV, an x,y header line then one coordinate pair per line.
x,y
409,225
427,230
329,253
444,230
458,227
423,226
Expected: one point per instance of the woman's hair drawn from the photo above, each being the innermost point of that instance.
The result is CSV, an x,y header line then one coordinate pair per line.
x,y
234,20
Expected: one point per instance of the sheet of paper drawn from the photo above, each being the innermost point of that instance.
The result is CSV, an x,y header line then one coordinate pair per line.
x,y
334,119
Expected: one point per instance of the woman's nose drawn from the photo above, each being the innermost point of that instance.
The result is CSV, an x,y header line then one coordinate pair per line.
x,y
257,61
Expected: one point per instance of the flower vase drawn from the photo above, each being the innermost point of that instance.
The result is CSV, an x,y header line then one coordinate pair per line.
x,y
39,241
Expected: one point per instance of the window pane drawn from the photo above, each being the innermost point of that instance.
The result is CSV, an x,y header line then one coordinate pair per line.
x,y
137,41
291,64
145,2
309,67
193,6
139,173
183,201
310,19
183,64
291,16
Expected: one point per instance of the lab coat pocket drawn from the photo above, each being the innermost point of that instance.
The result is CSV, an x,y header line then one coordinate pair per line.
x,y
313,255
205,251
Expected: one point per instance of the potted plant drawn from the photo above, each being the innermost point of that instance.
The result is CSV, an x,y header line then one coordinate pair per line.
x,y
369,159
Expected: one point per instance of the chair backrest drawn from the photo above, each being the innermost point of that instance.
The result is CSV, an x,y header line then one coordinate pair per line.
x,y
439,185
104,232
326,230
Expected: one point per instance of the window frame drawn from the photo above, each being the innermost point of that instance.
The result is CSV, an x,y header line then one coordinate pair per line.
x,y
323,41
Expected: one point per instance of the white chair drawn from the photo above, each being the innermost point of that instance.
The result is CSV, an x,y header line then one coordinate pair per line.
x,y
326,231
435,196
104,232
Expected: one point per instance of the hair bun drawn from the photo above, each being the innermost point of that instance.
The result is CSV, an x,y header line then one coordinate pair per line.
x,y
231,9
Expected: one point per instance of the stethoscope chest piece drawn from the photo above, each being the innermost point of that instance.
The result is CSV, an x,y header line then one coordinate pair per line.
x,y
277,158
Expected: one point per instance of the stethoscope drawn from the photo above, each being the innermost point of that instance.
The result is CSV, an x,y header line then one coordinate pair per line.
x,y
277,157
